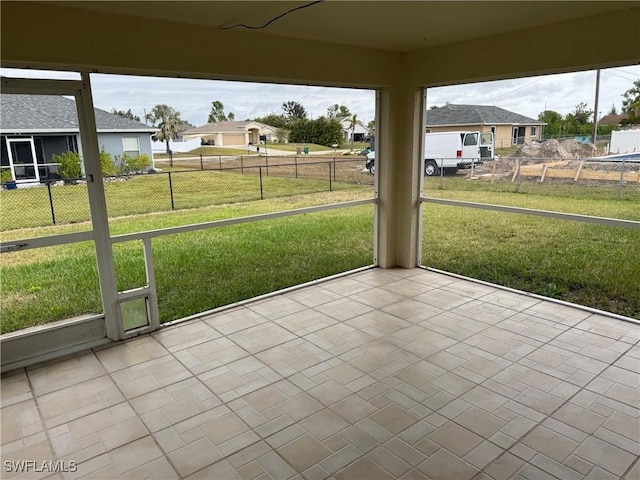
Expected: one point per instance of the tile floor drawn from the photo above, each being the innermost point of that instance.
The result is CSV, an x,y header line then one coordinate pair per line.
x,y
382,374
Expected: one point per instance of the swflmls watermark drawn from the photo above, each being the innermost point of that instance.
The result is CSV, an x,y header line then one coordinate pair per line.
x,y
51,466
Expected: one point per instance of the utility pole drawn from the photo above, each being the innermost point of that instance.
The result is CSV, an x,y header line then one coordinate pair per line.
x,y
595,109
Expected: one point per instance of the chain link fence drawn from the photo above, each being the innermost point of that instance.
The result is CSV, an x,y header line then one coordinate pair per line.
x,y
546,176
191,183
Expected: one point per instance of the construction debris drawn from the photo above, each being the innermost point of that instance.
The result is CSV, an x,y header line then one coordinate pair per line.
x,y
568,148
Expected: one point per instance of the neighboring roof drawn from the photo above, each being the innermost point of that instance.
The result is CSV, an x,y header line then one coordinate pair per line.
x,y
39,113
449,115
613,119
228,127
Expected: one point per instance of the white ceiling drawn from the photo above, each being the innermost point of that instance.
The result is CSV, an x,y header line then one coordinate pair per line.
x,y
387,25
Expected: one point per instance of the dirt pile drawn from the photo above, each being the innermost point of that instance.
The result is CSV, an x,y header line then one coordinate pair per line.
x,y
568,148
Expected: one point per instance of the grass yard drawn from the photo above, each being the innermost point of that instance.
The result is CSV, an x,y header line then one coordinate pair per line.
x,y
587,264
140,194
583,263
195,271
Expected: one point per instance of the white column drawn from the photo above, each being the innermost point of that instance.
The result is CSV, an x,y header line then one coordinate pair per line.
x,y
98,208
399,139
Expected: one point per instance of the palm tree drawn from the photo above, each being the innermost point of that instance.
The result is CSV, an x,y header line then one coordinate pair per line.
x,y
353,123
168,121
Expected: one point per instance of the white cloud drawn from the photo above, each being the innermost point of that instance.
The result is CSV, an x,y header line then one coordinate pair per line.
x,y
192,98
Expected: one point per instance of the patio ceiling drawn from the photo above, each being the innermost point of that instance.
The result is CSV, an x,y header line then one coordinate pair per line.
x,y
391,26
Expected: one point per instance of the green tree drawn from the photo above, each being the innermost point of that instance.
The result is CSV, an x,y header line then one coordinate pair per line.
x,y
169,123
352,123
553,121
322,131
371,127
581,114
294,110
128,114
278,121
217,113
338,111
613,110
631,104
70,166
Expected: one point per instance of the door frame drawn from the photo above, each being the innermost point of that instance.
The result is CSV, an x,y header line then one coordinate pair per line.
x,y
9,141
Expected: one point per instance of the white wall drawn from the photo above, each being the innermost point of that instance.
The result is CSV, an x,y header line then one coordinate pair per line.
x,y
161,147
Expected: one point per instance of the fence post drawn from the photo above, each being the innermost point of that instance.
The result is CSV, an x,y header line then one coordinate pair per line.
x,y
441,173
619,193
241,164
220,161
171,158
201,165
295,159
330,185
266,162
519,178
53,213
261,190
173,207
334,169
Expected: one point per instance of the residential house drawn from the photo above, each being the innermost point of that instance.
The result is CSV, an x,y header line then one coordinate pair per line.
x,y
232,133
509,128
615,120
33,128
358,133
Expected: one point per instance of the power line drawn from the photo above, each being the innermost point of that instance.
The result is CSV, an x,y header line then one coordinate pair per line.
x,y
250,27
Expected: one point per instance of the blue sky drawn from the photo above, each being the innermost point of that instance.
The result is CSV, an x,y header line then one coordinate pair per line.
x,y
192,98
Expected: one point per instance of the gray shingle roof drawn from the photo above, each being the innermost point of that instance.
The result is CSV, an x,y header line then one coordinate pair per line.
x,y
33,113
476,115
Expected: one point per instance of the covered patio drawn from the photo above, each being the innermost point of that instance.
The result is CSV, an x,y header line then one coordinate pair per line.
x,y
384,373
393,371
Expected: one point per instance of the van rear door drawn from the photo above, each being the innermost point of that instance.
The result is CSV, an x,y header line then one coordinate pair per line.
x,y
470,147
486,145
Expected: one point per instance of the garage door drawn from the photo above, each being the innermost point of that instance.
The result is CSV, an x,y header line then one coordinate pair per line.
x,y
233,139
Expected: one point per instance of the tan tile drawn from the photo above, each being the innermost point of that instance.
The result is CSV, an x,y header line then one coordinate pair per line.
x,y
303,452
148,376
130,352
210,355
15,388
60,374
19,421
394,419
78,400
134,455
329,392
605,455
224,428
353,408
38,452
300,407
550,443
174,403
185,335
234,320
323,424
160,468
361,469
481,422
219,470
443,465
194,457
264,398
457,440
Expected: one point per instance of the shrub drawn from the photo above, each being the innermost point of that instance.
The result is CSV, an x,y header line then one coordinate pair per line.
x,y
5,176
126,165
107,165
69,167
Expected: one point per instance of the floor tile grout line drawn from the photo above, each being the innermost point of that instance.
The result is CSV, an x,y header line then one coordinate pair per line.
x,y
518,441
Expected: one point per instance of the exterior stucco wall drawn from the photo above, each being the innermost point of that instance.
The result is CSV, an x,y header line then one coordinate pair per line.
x,y
112,143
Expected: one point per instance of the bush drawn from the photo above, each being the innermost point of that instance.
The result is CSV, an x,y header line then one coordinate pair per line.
x,y
5,176
126,165
69,167
107,165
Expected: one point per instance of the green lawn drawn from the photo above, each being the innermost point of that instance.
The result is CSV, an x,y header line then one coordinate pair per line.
x,y
584,263
139,194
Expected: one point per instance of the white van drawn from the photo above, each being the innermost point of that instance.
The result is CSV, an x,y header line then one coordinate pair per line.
x,y
451,151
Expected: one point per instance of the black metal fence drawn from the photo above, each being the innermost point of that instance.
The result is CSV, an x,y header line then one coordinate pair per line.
x,y
192,183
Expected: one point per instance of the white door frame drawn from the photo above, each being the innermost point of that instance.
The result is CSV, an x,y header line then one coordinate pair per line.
x,y
12,164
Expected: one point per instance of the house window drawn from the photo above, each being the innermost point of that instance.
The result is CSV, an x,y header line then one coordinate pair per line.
x,y
428,130
533,131
131,146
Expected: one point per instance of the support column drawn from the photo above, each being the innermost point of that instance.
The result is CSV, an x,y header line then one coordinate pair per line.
x,y
399,143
